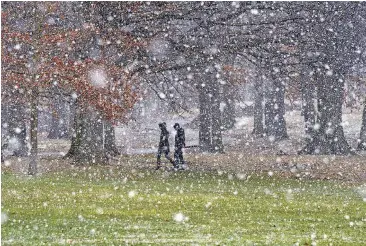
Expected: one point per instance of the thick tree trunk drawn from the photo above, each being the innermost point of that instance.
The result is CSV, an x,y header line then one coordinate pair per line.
x,y
308,90
88,145
204,119
268,113
275,112
16,130
76,131
216,143
210,121
258,128
228,109
279,111
362,140
91,149
110,140
328,136
32,169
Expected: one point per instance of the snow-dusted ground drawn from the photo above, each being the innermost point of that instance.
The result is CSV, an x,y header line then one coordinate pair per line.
x,y
246,154
243,153
144,137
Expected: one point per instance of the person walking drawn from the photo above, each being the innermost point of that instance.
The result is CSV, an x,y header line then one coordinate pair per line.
x,y
180,143
163,145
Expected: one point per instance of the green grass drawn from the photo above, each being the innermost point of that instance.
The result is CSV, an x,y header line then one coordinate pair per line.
x,y
96,206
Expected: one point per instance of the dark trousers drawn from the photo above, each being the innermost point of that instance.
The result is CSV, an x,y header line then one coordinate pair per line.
x,y
166,154
178,156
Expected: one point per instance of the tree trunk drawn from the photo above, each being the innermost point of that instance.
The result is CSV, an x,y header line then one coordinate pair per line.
x,y
204,119
15,131
110,140
275,111
210,128
91,149
268,113
228,109
328,136
32,169
88,145
76,131
258,128
216,143
308,90
279,110
362,140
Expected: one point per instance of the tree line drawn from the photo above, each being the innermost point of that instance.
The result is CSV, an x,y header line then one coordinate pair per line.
x,y
98,56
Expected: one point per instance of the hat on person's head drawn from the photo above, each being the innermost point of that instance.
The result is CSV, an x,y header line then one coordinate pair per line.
x,y
162,124
176,125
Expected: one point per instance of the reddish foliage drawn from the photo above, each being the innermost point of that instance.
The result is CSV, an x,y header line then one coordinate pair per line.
x,y
53,55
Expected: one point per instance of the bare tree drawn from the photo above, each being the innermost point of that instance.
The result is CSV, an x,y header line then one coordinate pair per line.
x,y
362,139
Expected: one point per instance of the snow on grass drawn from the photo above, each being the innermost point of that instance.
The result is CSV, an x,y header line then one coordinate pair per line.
x,y
361,190
160,214
4,217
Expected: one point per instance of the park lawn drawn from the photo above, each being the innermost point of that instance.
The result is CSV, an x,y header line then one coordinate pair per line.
x,y
102,205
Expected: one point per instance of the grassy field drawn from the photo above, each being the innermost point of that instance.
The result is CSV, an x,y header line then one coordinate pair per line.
x,y
116,206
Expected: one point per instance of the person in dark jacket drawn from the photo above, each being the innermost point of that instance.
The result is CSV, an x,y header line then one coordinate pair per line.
x,y
163,145
180,143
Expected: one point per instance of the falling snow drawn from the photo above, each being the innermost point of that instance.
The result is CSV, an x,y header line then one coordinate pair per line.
x,y
131,194
179,217
200,123
98,78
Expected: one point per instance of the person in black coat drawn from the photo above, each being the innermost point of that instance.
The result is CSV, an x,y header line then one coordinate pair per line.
x,y
163,145
180,143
